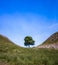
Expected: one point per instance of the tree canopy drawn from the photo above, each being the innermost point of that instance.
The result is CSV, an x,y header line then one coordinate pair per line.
x,y
28,41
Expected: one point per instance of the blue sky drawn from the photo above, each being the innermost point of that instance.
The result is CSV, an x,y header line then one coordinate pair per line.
x,y
36,18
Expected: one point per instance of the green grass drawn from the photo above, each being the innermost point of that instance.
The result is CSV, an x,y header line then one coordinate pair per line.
x,y
11,54
24,56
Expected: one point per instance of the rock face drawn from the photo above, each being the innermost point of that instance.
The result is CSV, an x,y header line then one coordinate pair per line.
x,y
51,42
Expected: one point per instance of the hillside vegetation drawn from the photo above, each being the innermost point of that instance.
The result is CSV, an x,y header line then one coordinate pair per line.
x,y
51,42
53,39
11,54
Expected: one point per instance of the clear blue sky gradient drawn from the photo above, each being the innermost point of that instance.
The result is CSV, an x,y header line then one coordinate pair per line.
x,y
36,18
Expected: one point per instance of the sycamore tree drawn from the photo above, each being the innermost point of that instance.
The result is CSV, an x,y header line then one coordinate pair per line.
x,y
28,40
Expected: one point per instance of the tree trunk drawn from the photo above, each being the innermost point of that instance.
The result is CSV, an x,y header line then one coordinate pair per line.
x,y
29,46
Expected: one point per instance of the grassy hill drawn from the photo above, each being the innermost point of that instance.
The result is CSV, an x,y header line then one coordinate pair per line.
x,y
51,42
11,54
53,39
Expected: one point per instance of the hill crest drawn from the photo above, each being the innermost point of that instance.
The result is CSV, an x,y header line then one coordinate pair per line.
x,y
4,38
51,42
53,39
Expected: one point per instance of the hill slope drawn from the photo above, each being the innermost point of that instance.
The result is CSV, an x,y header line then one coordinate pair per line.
x,y
51,42
53,39
11,54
